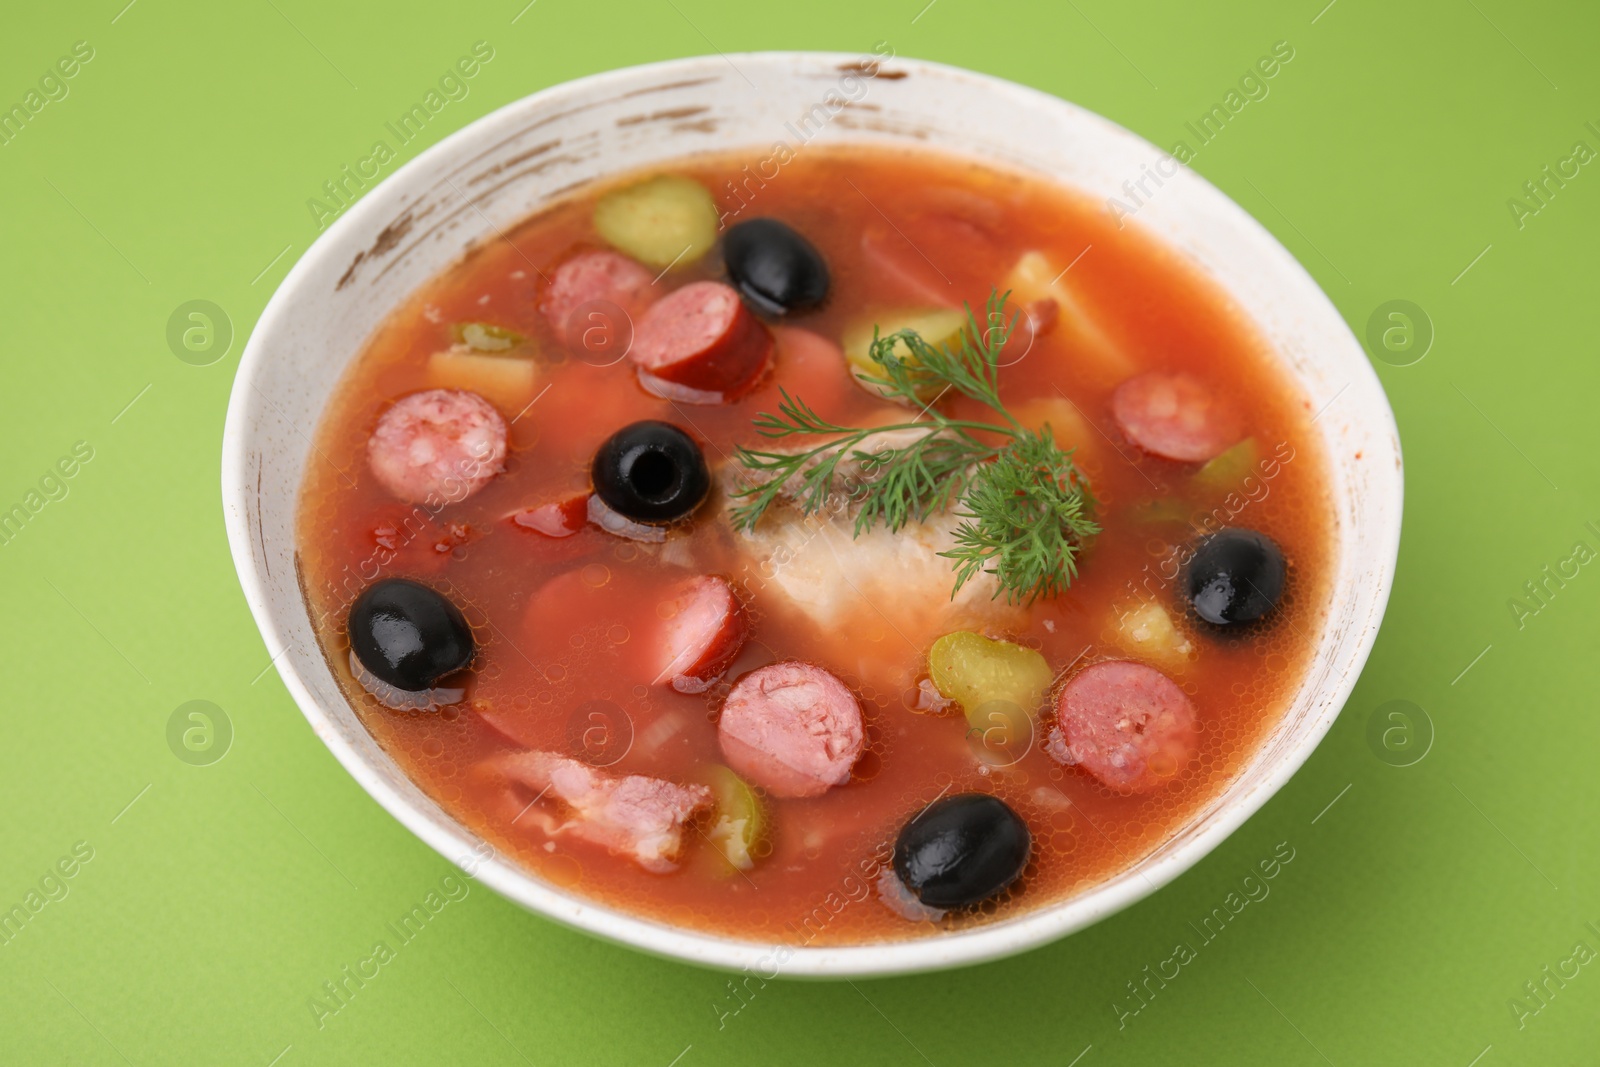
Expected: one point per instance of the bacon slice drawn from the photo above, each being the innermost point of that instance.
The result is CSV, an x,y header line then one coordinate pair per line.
x,y
634,816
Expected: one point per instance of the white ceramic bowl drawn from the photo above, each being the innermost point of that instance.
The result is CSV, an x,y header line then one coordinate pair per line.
x,y
503,167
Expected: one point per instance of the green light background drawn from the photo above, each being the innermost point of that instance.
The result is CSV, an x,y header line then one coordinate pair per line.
x,y
219,898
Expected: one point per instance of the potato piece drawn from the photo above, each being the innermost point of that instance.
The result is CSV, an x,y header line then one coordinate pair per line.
x,y
504,381
985,676
937,326
664,221
1034,277
1148,632
1068,426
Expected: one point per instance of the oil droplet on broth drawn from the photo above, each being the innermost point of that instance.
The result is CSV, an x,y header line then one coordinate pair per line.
x,y
563,870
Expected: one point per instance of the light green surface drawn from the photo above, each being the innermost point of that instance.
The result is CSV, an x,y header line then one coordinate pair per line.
x,y
219,898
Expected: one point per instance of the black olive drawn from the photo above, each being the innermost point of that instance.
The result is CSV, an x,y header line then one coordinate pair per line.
x,y
650,472
408,636
775,269
961,850
1236,576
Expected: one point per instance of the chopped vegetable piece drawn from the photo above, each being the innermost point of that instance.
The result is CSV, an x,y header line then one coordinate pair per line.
x,y
666,221
1148,632
1033,278
741,819
613,522
1097,356
925,699
937,326
506,381
1229,470
987,676
487,337
1069,427
1165,509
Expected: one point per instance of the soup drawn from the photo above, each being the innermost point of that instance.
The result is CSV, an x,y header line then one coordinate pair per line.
x,y
889,547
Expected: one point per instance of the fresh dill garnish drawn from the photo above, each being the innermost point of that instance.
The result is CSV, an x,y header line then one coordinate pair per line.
x,y
1025,508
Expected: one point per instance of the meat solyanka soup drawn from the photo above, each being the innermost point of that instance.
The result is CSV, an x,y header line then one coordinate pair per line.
x,y
889,547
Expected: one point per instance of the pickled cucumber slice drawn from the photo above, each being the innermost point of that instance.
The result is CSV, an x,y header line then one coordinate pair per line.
x,y
487,337
1229,469
664,221
937,326
741,819
982,675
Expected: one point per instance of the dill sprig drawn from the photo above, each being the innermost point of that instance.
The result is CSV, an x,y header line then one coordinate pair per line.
x,y
1026,509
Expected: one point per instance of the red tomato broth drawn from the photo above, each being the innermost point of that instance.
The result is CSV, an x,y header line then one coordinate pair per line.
x,y
542,675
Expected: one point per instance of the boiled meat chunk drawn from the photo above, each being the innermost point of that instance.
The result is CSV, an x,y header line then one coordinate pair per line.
x,y
635,816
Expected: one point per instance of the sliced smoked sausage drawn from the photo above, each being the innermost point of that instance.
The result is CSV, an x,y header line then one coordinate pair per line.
x,y
701,345
1127,724
598,285
1174,416
793,728
440,445
704,633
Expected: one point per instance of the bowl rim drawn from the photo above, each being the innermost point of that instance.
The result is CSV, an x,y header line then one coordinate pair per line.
x,y
461,846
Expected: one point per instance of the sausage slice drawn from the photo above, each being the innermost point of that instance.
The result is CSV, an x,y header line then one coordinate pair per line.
x,y
704,633
600,284
1174,416
793,728
441,445
1127,724
701,345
